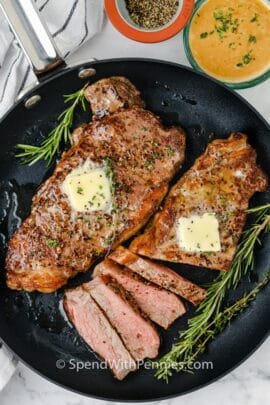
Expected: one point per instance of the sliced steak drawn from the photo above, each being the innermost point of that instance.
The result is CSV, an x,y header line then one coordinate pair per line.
x,y
159,274
220,184
139,336
93,326
160,305
139,157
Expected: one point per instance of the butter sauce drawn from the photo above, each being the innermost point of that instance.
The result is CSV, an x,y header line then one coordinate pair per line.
x,y
230,40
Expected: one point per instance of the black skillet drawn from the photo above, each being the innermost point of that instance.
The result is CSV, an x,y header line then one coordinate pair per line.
x,y
33,325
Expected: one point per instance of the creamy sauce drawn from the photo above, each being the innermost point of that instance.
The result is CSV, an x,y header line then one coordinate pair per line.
x,y
230,39
199,233
88,188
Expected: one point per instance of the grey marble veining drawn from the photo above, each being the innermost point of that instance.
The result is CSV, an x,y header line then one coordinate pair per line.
x,y
249,384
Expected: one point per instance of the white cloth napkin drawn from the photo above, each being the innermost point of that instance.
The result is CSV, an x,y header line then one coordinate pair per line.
x,y
71,23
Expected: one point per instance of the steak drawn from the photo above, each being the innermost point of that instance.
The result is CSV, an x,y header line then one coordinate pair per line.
x,y
139,336
160,305
96,330
159,274
221,181
110,95
139,157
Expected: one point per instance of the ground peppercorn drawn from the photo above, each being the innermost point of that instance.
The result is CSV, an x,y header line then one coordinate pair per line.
x,y
151,13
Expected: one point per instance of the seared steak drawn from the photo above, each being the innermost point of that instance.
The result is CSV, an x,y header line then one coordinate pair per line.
x,y
159,274
160,305
139,336
95,329
138,156
110,95
220,183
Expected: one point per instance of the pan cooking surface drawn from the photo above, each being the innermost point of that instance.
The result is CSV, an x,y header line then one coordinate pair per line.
x,y
34,325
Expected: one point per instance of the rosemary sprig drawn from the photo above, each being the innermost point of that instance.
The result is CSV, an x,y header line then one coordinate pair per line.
x,y
219,323
50,146
194,339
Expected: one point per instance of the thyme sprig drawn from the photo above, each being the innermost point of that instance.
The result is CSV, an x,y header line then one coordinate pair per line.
x,y
31,154
210,318
219,323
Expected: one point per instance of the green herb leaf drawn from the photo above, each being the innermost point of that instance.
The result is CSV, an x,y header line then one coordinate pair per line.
x,y
225,22
246,59
52,243
254,18
51,145
252,39
204,35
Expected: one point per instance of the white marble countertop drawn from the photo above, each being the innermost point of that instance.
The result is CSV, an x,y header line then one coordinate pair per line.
x,y
249,384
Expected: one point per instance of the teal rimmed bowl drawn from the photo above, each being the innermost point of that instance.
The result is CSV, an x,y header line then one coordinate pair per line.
x,y
235,85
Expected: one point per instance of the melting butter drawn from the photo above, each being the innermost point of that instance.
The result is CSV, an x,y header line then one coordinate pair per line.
x,y
88,188
199,233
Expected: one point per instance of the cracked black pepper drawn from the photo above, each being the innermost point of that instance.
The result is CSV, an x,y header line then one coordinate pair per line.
x,y
152,13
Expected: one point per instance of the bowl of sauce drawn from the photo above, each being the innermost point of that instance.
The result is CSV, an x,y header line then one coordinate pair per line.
x,y
230,41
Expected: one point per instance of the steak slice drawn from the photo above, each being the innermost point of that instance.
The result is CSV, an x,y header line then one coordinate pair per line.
x,y
56,242
110,95
159,274
93,326
221,181
139,336
160,305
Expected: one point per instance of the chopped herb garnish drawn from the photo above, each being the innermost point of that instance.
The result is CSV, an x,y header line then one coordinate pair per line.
x,y
254,18
52,243
155,143
170,151
252,39
149,165
109,173
79,190
246,59
225,22
204,35
223,200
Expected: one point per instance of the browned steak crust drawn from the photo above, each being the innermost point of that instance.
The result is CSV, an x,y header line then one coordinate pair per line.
x,y
55,243
110,95
159,275
222,181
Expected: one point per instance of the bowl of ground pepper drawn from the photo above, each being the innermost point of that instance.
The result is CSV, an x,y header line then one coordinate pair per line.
x,y
149,20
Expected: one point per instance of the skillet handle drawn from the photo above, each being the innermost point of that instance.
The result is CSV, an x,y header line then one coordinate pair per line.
x,y
32,34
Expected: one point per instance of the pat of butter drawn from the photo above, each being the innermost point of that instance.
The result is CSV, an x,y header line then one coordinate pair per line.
x,y
88,189
199,233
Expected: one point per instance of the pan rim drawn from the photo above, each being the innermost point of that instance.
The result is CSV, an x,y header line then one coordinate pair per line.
x,y
260,117
63,71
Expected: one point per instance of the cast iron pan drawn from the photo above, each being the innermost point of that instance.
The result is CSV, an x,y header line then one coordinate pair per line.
x,y
33,325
